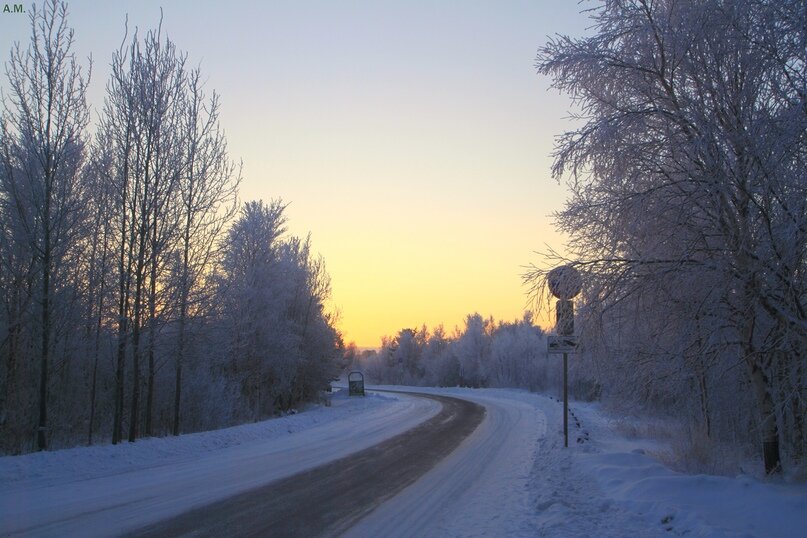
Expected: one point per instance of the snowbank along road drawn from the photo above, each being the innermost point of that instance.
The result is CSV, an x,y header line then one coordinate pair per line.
x,y
318,472
110,490
328,499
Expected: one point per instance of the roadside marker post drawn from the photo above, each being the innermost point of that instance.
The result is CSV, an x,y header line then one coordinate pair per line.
x,y
565,283
355,383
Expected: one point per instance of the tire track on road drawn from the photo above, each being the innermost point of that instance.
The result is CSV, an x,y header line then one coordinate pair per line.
x,y
328,499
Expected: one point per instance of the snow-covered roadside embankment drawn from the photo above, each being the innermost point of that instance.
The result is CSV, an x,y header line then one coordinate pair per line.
x,y
607,485
108,489
513,477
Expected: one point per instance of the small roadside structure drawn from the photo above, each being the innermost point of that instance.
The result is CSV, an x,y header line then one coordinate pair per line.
x,y
355,383
565,283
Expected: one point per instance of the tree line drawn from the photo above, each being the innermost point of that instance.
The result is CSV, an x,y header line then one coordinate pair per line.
x,y
483,353
139,297
687,167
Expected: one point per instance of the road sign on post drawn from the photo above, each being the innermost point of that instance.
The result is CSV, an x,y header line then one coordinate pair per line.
x,y
355,384
561,344
564,323
565,283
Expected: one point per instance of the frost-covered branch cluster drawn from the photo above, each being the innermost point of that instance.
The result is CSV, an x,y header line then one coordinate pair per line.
x,y
688,209
136,299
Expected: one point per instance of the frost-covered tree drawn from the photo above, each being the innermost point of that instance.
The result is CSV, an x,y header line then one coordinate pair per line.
x,y
472,349
207,195
439,365
518,356
142,121
688,207
280,343
43,137
99,271
116,259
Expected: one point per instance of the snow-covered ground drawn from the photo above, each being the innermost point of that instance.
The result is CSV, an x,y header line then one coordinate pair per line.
x,y
107,490
634,483
511,477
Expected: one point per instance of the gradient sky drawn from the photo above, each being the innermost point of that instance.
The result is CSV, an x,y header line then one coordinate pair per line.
x,y
411,138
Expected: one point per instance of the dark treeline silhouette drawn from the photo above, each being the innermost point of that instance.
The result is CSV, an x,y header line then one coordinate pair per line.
x,y
138,298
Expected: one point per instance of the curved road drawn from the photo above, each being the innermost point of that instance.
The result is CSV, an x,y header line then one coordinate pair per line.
x,y
329,499
482,488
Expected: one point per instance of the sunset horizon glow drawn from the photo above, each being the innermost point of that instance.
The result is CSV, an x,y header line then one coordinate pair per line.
x,y
412,141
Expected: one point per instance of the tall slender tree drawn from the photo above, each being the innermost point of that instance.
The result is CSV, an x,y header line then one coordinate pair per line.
x,y
207,200
142,119
45,118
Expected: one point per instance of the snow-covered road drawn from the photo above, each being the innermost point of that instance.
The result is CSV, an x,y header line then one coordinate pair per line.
x,y
510,477
481,489
103,491
329,499
513,477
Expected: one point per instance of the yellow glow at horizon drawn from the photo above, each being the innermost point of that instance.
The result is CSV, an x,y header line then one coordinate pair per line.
x,y
412,139
408,244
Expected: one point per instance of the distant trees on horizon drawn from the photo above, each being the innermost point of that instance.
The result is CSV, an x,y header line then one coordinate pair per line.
x,y
483,353
138,297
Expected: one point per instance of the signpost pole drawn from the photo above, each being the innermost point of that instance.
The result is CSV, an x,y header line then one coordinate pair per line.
x,y
564,282
565,400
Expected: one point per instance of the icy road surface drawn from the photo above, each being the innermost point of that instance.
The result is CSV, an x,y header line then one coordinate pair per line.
x,y
510,477
481,489
328,500
109,490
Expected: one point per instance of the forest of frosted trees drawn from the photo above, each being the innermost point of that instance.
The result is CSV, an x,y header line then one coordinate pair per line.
x,y
483,353
687,166
138,297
